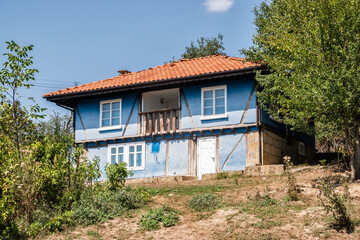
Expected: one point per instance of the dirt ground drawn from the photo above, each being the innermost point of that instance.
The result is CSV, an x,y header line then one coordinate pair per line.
x,y
239,217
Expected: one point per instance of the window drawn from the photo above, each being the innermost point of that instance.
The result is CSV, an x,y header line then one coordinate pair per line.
x,y
213,102
133,154
110,116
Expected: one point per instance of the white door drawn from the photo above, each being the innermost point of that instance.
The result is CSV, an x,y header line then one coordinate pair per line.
x,y
206,156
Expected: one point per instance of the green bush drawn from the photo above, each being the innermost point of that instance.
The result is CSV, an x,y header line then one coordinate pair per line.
x,y
167,215
204,202
116,175
96,207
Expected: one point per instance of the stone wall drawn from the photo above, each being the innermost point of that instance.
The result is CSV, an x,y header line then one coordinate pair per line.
x,y
276,146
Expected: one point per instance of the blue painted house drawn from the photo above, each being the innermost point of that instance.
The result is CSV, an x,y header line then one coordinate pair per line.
x,y
188,117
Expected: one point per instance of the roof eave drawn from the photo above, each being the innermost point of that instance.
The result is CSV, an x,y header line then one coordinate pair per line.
x,y
61,98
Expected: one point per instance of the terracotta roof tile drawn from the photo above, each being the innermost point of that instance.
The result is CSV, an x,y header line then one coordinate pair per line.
x,y
177,69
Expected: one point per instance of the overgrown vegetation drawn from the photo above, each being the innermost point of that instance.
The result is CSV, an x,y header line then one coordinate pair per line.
x,y
335,203
46,183
151,220
204,202
293,191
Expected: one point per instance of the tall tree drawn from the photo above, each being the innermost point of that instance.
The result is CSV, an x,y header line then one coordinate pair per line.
x,y
15,74
313,50
205,47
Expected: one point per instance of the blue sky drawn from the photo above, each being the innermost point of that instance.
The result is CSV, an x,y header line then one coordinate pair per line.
x,y
89,40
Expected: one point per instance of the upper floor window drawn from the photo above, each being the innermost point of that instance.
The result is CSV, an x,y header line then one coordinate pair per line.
x,y
213,102
110,113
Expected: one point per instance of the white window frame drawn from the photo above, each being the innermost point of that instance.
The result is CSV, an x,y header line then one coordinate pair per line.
x,y
214,116
126,147
101,111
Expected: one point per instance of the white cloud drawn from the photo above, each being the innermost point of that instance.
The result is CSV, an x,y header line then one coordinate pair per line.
x,y
218,5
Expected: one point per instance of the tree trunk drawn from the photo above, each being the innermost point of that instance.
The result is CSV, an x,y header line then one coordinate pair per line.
x,y
355,160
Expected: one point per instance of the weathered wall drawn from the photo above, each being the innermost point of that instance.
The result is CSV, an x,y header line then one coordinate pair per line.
x,y
275,146
156,161
238,92
252,149
179,157
232,152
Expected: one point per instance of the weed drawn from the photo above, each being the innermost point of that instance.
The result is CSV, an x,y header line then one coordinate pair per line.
x,y
236,175
264,200
204,202
167,215
97,207
293,191
322,162
93,234
335,203
222,175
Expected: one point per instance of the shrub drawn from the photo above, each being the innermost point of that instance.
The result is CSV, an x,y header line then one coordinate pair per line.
x,y
167,215
204,202
222,175
95,207
335,203
293,191
116,175
263,200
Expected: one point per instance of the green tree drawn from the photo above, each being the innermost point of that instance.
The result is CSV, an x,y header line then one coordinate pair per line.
x,y
313,52
205,47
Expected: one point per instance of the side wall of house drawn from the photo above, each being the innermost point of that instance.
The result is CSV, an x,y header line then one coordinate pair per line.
x,y
276,145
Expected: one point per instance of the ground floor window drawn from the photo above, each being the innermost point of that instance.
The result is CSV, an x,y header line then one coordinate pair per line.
x,y
133,154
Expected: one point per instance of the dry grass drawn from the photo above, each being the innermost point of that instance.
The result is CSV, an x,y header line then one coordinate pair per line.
x,y
243,214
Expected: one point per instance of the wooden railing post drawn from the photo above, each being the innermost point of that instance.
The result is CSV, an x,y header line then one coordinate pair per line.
x,y
168,121
149,116
156,115
161,122
173,113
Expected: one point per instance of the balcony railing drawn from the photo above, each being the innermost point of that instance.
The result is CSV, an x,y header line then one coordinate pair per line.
x,y
160,121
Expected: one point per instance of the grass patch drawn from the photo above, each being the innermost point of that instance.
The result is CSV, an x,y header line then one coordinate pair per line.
x,y
93,234
222,175
267,224
151,220
189,190
204,202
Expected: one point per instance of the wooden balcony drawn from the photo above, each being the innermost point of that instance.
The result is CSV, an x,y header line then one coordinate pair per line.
x,y
160,121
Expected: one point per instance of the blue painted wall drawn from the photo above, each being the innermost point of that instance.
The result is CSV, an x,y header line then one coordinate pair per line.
x,y
155,158
238,92
178,157
238,159
90,115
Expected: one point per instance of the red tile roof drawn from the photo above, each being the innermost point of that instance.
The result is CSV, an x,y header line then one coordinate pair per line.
x,y
178,69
